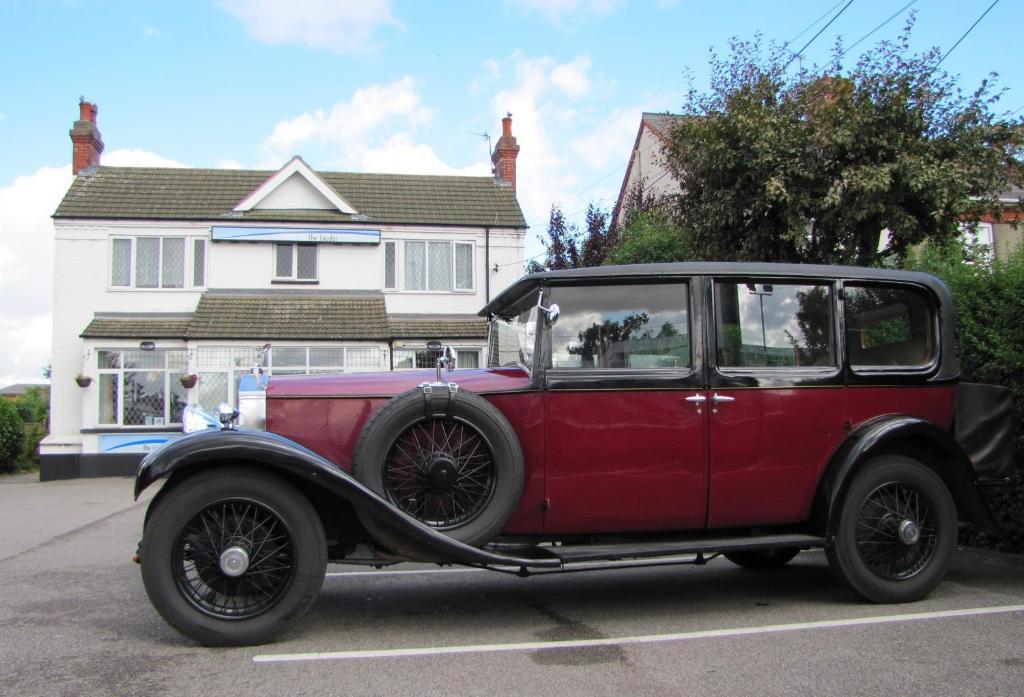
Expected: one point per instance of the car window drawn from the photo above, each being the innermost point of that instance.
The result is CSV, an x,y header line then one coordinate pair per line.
x,y
888,326
511,340
634,326
774,325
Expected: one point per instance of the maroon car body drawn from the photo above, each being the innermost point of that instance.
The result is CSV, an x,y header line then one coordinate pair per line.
x,y
630,415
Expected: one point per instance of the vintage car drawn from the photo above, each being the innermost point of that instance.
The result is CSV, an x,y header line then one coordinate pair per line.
x,y
628,416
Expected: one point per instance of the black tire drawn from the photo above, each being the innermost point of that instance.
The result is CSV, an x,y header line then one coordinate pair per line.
x,y
283,558
877,552
460,473
762,559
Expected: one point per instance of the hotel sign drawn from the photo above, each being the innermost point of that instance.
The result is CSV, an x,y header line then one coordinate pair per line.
x,y
284,234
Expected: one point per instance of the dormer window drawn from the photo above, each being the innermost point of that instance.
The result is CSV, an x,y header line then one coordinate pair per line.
x,y
296,263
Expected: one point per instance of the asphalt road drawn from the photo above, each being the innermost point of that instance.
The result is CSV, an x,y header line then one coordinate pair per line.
x,y
75,620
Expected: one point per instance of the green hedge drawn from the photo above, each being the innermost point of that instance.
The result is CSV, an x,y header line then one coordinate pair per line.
x,y
989,300
12,433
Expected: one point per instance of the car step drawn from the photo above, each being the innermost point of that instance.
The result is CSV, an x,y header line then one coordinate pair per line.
x,y
573,554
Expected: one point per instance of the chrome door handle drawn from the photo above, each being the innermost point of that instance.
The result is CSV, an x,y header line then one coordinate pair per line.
x,y
716,398
698,401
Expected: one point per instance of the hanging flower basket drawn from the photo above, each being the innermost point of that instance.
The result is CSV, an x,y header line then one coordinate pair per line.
x,y
189,381
83,380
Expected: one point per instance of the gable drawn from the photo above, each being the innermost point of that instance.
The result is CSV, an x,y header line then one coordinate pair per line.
x,y
295,187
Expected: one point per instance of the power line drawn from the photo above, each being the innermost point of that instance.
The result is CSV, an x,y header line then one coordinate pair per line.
x,y
969,30
820,31
812,24
893,16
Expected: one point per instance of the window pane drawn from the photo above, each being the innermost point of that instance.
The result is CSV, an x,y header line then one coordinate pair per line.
x,y
288,356
464,266
427,358
179,398
389,264
888,327
144,397
467,359
415,265
108,359
199,263
172,275
440,265
121,263
327,357
774,325
213,389
404,359
147,262
139,359
363,359
283,269
306,262
108,398
622,326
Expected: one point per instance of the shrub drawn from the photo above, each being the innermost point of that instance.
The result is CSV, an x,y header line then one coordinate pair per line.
x,y
34,410
12,430
989,300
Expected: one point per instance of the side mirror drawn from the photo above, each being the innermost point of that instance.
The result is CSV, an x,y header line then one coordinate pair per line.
x,y
551,314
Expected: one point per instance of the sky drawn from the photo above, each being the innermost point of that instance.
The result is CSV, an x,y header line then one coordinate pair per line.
x,y
388,86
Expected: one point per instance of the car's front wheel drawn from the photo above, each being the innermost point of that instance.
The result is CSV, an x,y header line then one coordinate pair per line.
x,y
896,532
233,557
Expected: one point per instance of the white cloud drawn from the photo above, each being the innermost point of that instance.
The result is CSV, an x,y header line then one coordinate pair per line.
x,y
558,11
26,262
344,27
370,132
572,77
229,164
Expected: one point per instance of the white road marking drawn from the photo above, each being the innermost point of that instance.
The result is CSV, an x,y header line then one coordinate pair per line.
x,y
625,641
402,572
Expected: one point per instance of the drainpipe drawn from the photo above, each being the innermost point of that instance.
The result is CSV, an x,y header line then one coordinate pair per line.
x,y
487,264
391,355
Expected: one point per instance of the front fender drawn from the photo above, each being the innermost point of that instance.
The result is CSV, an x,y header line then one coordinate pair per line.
x,y
207,448
914,437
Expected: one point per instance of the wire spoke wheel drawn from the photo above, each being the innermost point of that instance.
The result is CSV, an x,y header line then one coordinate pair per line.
x,y
441,472
897,531
234,559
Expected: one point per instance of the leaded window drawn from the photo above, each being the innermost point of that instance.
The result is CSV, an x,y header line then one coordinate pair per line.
x,y
141,388
157,262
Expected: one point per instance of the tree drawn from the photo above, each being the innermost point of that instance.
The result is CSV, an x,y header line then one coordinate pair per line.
x,y
651,236
566,248
814,166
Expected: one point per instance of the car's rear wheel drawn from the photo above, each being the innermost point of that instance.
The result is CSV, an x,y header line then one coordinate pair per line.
x,y
454,466
762,559
896,532
233,557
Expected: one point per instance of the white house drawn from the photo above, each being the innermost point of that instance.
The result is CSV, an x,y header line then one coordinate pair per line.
x,y
167,282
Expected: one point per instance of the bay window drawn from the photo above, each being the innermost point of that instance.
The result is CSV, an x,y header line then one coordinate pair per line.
x,y
141,388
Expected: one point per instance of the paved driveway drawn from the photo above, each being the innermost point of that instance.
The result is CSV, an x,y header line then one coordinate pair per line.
x,y
75,620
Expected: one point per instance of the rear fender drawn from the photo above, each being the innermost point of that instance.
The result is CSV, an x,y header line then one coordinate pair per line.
x,y
903,435
205,449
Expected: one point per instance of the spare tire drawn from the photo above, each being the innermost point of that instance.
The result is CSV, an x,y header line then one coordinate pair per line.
x,y
449,459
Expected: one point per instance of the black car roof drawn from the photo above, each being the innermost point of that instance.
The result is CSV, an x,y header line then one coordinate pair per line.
x,y
515,292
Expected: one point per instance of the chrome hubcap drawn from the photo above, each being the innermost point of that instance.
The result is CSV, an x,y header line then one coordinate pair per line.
x,y
909,532
234,561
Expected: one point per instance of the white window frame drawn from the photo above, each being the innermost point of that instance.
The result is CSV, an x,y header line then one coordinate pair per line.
x,y
400,266
293,278
188,263
119,372
416,349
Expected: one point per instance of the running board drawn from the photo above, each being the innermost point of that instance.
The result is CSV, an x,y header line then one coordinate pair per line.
x,y
573,554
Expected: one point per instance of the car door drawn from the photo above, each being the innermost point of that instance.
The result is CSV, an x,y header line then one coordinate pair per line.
x,y
625,427
776,397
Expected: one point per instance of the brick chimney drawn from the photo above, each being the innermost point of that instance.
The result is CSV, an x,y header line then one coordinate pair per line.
x,y
85,138
504,156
